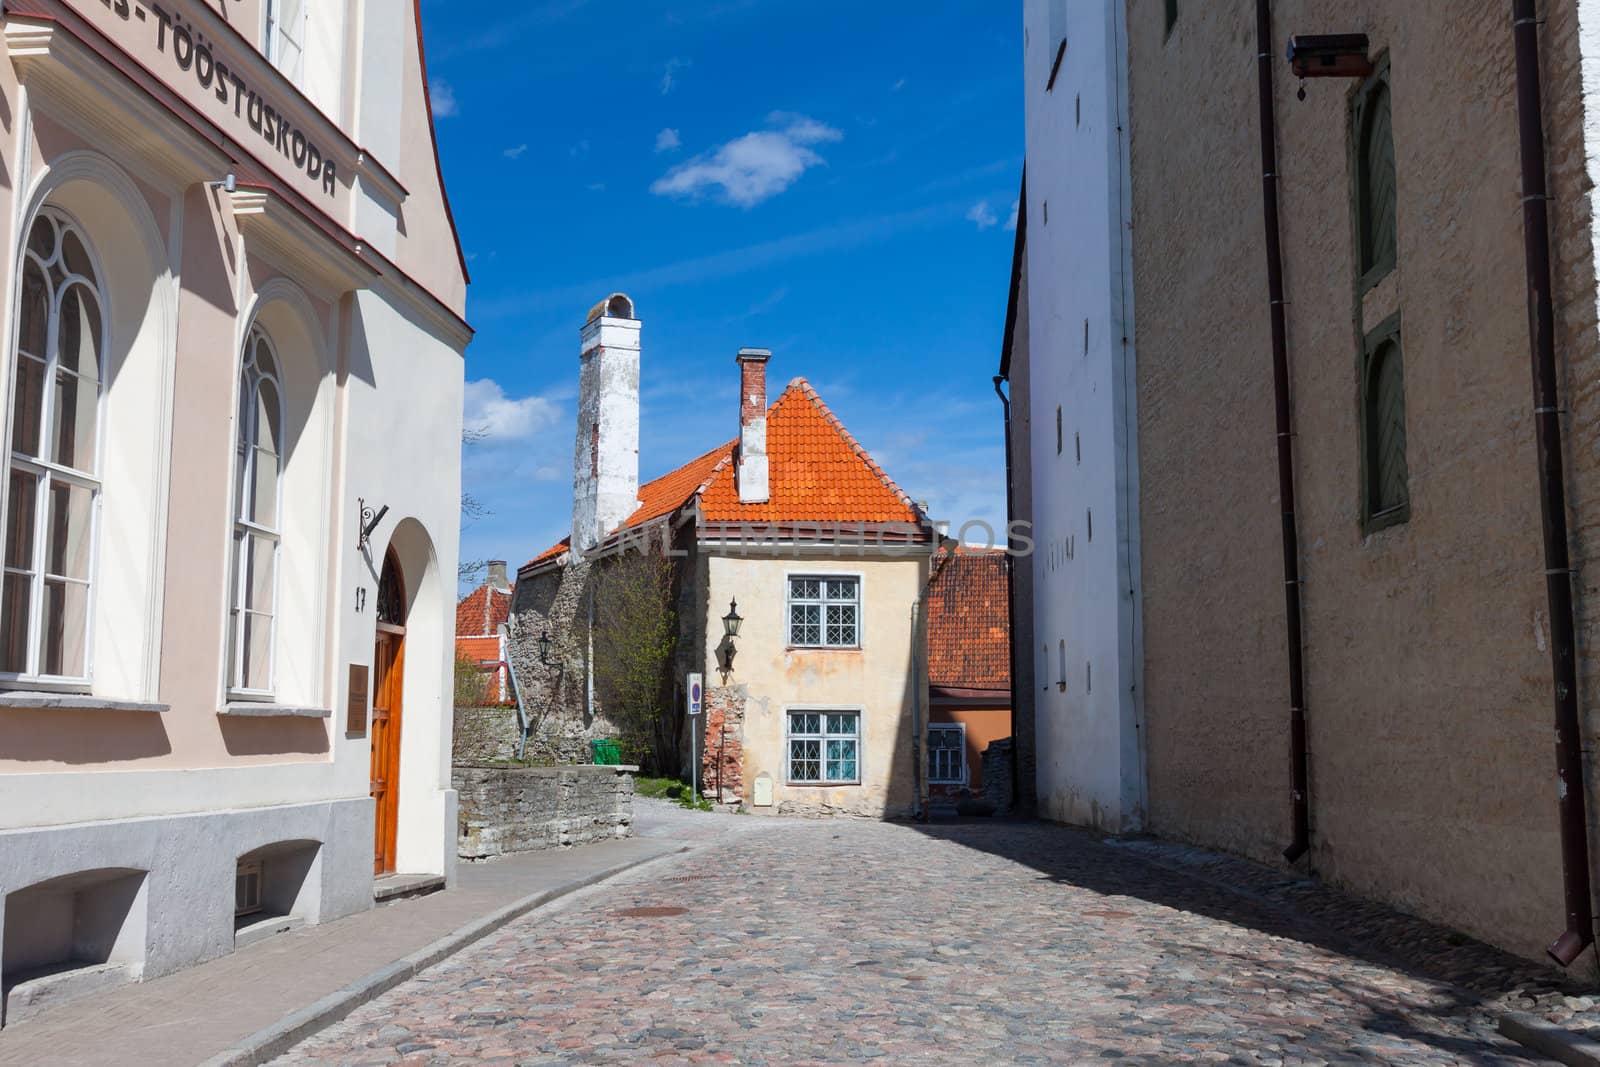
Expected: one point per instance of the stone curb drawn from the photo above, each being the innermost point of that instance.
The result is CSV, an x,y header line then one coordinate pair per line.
x,y
1548,1039
295,1027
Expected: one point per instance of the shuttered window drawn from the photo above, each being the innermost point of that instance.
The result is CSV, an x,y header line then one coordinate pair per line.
x,y
1374,179
1386,492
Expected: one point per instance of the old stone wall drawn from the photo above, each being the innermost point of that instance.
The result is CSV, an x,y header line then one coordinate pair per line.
x,y
1428,677
722,754
555,601
491,735
518,809
997,774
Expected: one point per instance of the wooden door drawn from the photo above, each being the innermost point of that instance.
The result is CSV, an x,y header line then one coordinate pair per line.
x,y
388,662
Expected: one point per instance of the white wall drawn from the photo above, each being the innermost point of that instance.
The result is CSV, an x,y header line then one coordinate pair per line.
x,y
1080,345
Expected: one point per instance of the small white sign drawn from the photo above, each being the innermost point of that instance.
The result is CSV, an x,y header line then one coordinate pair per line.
x,y
696,694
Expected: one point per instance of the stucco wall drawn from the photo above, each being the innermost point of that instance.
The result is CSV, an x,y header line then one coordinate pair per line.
x,y
878,679
1086,631
1427,673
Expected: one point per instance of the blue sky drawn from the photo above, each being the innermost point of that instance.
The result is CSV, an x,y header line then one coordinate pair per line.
x,y
833,181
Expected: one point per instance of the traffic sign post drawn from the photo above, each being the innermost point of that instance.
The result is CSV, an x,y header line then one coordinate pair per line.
x,y
696,689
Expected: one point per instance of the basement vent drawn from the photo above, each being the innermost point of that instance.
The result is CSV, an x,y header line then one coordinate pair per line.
x,y
247,888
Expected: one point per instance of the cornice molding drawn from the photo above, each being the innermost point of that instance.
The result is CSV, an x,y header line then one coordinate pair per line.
x,y
281,235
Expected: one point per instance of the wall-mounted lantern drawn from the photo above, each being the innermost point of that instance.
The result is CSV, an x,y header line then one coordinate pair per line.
x,y
544,648
730,630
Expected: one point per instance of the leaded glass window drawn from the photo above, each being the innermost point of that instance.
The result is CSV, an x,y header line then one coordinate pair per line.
x,y
824,612
1375,179
53,485
257,525
1386,493
947,753
824,747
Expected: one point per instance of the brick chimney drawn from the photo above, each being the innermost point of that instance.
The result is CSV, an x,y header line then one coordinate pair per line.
x,y
497,576
751,472
605,464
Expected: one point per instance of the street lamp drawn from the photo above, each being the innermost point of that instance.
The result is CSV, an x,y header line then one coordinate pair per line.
x,y
544,647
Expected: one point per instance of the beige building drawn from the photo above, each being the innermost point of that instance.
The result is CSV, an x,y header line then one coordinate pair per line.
x,y
225,645
819,701
1426,626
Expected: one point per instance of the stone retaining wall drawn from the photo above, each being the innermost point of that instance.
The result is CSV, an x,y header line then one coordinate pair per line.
x,y
518,809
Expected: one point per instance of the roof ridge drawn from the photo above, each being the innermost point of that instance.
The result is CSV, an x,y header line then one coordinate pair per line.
x,y
801,385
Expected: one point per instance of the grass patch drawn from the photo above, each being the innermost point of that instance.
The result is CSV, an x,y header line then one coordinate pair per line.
x,y
673,789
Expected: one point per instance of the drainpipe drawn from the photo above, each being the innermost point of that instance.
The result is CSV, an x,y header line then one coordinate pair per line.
x,y
1011,596
919,810
1299,786
1579,933
508,629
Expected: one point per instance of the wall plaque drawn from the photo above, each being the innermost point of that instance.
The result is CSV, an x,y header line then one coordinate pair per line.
x,y
356,701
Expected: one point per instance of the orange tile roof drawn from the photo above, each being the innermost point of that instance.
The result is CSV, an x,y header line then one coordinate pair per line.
x,y
817,473
969,625
480,612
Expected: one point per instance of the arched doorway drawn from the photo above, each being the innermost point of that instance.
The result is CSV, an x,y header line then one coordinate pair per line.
x,y
388,670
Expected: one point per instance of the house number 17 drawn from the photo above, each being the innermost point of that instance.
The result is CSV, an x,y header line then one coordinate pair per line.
x,y
361,599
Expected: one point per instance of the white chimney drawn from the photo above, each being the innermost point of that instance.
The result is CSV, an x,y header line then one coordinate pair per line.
x,y
498,580
605,466
751,473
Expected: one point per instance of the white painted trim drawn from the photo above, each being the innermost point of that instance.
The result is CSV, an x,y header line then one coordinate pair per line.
x,y
861,745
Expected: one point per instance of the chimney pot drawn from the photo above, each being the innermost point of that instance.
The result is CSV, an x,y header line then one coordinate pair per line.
x,y
497,575
752,469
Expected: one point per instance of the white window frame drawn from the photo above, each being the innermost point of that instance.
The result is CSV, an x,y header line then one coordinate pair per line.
x,y
271,30
823,736
44,468
244,439
961,777
790,601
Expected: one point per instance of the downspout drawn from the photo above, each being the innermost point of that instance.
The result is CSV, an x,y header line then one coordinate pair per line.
x,y
919,810
1298,784
1011,597
1579,933
510,629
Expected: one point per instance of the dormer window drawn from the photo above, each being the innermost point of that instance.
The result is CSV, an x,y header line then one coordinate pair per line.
x,y
286,37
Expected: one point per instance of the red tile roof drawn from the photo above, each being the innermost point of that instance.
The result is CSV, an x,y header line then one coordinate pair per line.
x,y
817,473
480,612
969,626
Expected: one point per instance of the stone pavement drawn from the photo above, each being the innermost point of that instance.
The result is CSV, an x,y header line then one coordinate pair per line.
x,y
828,941
190,1016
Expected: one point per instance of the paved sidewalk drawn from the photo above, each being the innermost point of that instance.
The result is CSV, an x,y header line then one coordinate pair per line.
x,y
198,1013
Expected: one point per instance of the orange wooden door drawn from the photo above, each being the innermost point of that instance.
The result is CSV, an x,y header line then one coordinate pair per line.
x,y
388,663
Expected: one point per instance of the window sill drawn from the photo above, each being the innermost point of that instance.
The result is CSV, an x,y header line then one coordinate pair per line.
x,y
823,648
76,702
252,709
820,785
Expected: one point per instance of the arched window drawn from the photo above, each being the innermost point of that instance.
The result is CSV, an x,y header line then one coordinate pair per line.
x,y
1375,180
1386,495
257,527
53,490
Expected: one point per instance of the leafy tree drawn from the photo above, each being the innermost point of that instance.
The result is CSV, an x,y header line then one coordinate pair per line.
x,y
635,635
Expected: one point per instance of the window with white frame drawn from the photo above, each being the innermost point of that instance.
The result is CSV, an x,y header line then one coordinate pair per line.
x,y
824,747
947,753
286,37
53,492
258,460
824,612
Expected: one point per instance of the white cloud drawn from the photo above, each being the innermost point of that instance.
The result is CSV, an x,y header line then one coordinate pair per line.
x,y
443,97
752,168
667,140
981,215
1011,219
596,187
669,73
492,416
515,153
897,86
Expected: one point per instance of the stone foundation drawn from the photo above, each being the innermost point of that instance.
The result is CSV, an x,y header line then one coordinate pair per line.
x,y
519,809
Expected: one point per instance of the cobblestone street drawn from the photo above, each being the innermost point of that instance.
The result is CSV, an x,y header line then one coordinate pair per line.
x,y
844,941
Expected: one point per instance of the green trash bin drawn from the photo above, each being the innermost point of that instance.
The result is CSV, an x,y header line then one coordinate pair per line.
x,y
606,751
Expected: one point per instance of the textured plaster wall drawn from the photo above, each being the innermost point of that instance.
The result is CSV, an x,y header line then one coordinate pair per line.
x,y
876,679
1085,645
1427,670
